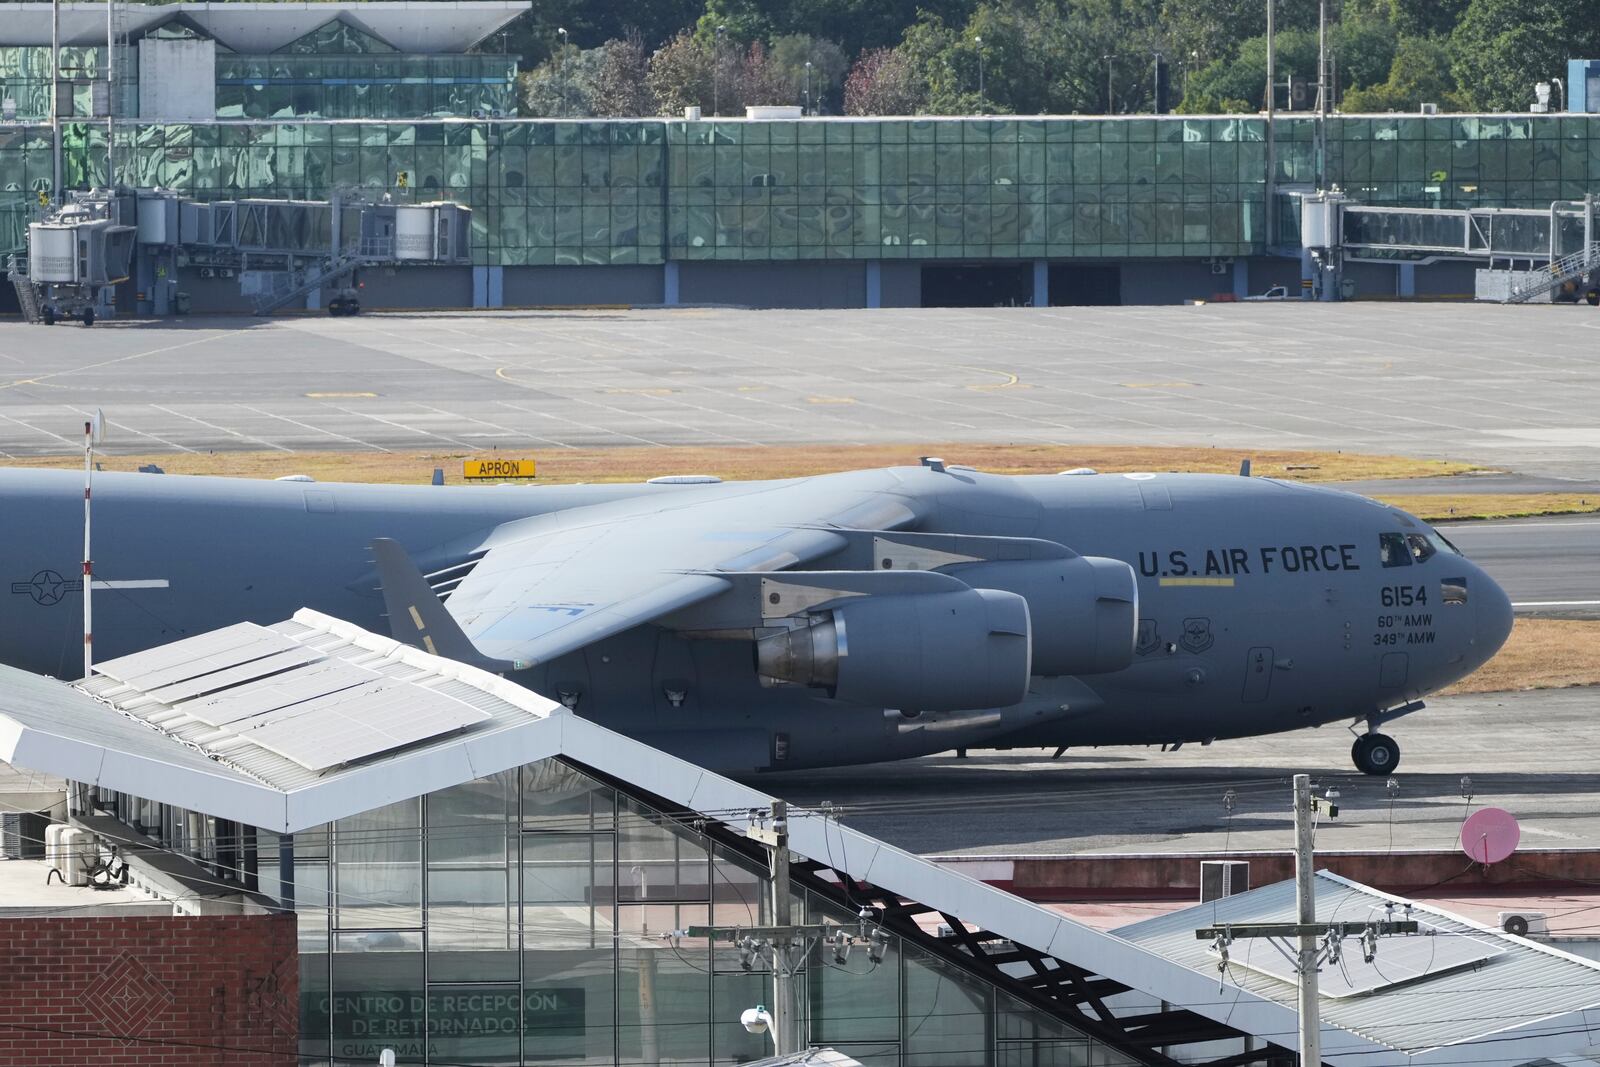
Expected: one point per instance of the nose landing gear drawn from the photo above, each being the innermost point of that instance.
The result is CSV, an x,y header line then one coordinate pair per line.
x,y
1375,753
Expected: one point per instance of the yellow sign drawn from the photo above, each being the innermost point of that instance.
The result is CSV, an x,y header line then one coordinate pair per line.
x,y
402,179
44,198
498,468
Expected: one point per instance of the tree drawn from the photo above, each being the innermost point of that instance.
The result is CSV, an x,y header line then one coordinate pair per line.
x,y
681,75
1419,73
564,85
789,55
741,22
883,81
620,86
1502,47
758,81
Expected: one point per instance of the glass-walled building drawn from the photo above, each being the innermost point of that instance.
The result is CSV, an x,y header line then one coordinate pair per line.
x,y
415,101
538,917
851,211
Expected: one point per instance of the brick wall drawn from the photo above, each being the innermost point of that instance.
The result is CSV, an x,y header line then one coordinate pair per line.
x,y
148,992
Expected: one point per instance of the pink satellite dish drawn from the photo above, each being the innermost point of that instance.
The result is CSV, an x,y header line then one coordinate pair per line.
x,y
1490,835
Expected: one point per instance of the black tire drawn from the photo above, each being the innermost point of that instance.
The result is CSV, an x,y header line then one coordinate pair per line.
x,y
352,307
1375,754
49,316
1593,296
336,308
88,317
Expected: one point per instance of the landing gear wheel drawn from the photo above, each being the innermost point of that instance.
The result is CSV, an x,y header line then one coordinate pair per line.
x,y
88,317
1375,754
1593,296
49,316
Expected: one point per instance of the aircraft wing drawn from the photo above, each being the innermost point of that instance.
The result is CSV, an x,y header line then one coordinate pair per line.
x,y
552,584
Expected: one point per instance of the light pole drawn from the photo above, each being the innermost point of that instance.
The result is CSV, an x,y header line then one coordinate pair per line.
x,y
1111,94
561,32
979,42
716,73
1155,88
808,87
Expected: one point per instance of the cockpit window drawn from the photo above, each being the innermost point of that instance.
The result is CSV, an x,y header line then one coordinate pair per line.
x,y
1421,548
1392,550
1445,544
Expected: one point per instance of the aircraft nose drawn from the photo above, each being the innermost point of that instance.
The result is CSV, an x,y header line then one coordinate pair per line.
x,y
1494,614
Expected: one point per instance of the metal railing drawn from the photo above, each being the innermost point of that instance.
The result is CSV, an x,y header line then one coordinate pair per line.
x,y
1575,265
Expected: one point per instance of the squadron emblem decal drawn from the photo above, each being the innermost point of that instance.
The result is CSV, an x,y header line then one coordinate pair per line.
x,y
1196,635
47,587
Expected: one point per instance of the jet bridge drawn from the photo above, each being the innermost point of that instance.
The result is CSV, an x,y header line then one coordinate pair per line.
x,y
1528,254
280,251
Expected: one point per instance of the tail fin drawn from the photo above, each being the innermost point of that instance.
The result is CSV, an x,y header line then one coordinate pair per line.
x,y
417,617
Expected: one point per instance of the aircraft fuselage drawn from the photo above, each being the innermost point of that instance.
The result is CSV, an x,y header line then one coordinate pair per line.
x,y
1263,606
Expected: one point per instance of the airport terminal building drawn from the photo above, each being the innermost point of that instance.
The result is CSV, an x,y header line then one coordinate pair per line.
x,y
410,101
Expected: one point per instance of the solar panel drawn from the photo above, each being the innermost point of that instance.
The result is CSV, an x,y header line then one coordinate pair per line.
x,y
275,663
252,699
362,723
195,656
1400,958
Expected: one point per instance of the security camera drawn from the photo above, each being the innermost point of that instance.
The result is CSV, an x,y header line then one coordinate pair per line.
x,y
756,1019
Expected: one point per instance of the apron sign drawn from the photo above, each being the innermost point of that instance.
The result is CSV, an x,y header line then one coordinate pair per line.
x,y
498,468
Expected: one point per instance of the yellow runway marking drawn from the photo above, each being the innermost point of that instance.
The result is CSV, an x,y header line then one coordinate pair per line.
x,y
830,400
1207,582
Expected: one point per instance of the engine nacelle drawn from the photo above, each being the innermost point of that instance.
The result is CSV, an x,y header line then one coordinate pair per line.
x,y
1084,609
945,651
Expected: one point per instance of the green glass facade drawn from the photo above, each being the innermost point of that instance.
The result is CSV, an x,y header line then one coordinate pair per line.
x,y
380,86
522,918
647,191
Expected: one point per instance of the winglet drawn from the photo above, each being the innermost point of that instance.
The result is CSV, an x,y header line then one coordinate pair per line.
x,y
417,617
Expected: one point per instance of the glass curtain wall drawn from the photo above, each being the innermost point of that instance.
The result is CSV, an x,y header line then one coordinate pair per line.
x,y
385,85
535,917
593,193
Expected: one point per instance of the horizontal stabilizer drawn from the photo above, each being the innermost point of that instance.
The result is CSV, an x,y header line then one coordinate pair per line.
x,y
416,615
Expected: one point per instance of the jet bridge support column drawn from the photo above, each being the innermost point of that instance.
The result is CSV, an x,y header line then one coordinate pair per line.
x,y
1041,283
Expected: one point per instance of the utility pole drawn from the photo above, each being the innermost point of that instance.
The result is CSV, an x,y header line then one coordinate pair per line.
x,y
111,94
1317,941
785,945
1305,904
1270,206
55,100
91,436
782,915
1324,93
1111,91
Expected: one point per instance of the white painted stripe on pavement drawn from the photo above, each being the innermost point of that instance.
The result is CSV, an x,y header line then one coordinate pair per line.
x,y
1514,525
1555,603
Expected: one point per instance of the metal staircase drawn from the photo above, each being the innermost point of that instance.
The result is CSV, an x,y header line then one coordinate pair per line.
x,y
297,285
27,297
1576,265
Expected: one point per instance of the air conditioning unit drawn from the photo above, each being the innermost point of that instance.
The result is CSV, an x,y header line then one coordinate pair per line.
x,y
1430,109
1525,923
1223,878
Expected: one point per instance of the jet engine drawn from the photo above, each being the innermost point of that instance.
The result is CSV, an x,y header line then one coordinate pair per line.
x,y
950,650
1084,609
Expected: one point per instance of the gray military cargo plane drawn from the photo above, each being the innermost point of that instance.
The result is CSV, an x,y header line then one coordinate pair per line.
x,y
810,622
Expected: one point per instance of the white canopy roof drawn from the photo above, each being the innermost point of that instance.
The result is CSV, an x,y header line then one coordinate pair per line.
x,y
418,26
